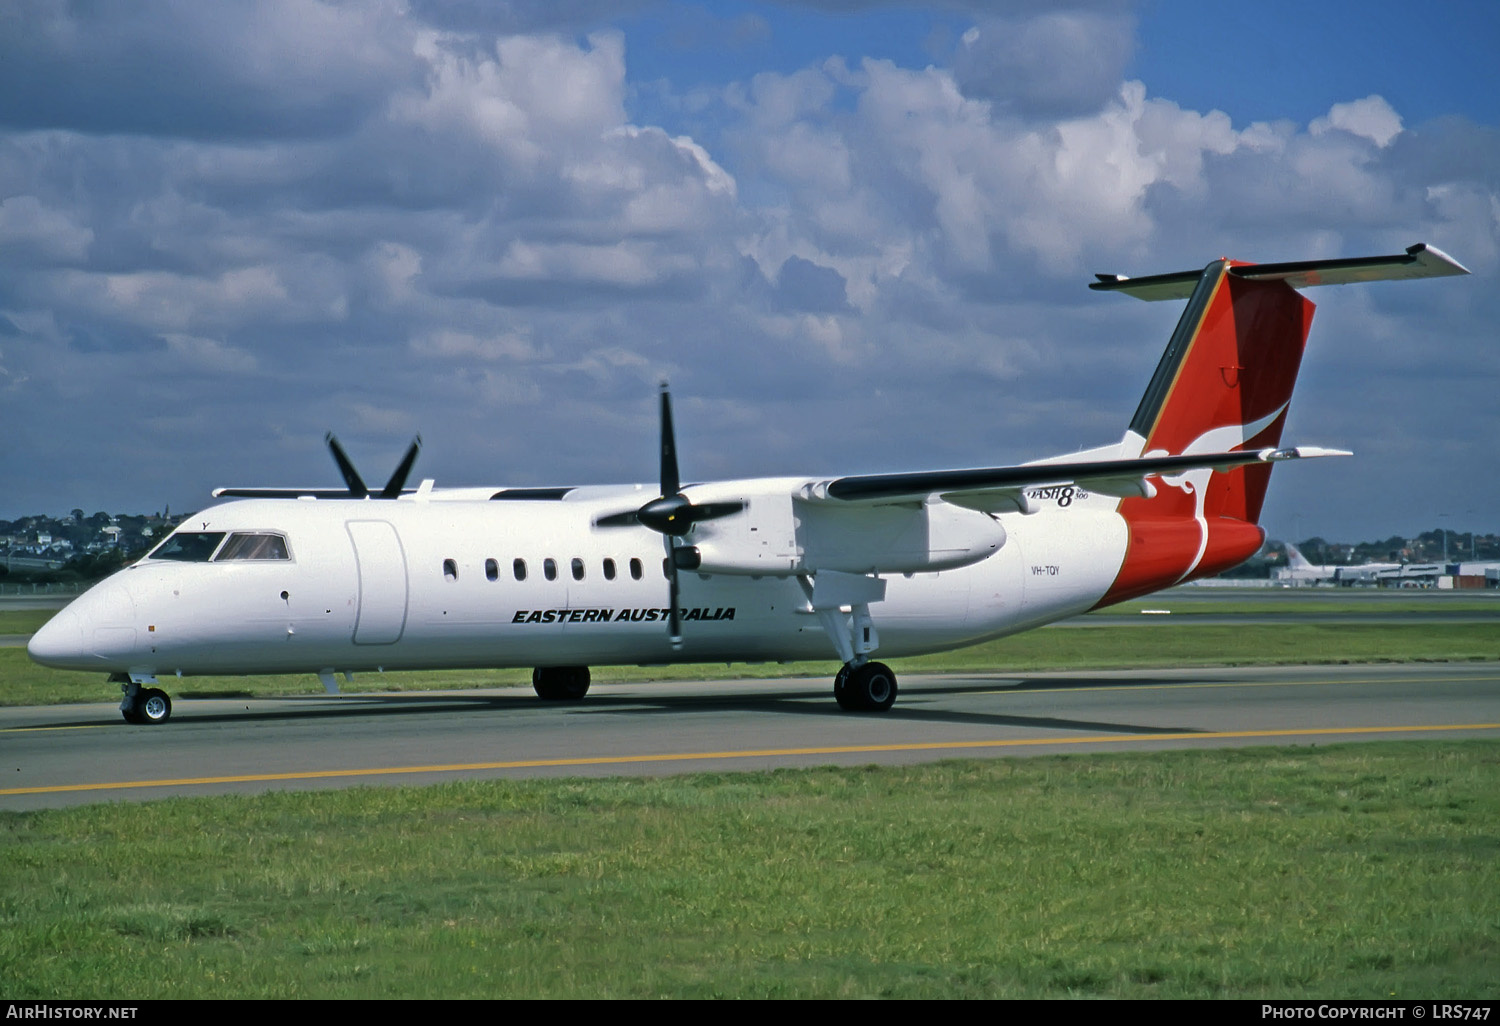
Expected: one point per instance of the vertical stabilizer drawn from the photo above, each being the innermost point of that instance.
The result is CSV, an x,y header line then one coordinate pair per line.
x,y
1296,560
1224,384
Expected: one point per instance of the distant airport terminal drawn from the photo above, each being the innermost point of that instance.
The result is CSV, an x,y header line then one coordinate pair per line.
x,y
1445,575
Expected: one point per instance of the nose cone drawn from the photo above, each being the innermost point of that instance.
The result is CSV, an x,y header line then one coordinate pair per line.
x,y
96,631
60,643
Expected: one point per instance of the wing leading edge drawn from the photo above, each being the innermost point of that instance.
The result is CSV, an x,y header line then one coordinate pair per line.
x,y
997,488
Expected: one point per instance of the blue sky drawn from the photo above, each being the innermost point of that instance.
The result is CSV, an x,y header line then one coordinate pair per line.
x,y
855,236
1298,59
1253,61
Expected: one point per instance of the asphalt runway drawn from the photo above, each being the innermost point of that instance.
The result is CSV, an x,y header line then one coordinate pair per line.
x,y
65,755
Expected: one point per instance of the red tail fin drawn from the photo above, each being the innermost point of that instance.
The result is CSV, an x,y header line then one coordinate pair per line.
x,y
1225,383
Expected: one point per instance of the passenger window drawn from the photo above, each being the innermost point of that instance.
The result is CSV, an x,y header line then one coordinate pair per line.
x,y
492,569
635,569
609,569
577,569
519,568
253,546
549,568
450,569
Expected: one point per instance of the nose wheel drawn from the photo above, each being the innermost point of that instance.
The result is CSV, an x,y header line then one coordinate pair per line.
x,y
147,706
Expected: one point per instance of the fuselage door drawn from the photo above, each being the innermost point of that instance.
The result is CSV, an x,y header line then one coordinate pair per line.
x,y
382,582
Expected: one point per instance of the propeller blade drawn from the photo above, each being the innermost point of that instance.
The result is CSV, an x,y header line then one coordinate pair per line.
x,y
672,515
357,489
671,484
674,616
714,510
625,519
392,489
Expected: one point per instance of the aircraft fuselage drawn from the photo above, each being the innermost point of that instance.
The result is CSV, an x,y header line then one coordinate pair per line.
x,y
386,585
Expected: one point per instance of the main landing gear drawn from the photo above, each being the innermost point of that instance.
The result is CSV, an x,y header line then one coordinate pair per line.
x,y
148,706
560,683
842,604
868,687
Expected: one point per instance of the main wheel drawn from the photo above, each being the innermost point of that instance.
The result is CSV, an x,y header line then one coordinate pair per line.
x,y
870,687
841,693
560,683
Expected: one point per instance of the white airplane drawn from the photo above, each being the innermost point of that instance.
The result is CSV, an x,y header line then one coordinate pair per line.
x,y
343,581
1300,570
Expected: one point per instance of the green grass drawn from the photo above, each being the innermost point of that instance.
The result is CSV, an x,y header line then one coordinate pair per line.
x,y
1361,871
22,682
23,621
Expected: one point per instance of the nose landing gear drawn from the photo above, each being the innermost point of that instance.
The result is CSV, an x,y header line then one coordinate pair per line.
x,y
147,706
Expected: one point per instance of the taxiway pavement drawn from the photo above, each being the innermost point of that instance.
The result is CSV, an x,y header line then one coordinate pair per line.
x,y
64,755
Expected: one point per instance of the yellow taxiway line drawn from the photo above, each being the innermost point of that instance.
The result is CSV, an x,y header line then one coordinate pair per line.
x,y
459,696
761,753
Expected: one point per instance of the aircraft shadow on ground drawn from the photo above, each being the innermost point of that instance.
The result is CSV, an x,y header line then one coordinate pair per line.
x,y
907,710
814,700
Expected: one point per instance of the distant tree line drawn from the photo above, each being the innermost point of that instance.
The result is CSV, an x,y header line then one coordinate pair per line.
x,y
93,556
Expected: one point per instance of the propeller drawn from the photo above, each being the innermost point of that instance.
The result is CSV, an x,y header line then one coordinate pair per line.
x,y
357,487
672,515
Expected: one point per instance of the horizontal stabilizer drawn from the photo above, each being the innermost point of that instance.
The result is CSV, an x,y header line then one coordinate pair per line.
x,y
1305,452
1419,261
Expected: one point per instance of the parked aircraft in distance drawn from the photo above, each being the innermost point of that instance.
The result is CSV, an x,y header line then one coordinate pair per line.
x,y
332,581
1299,571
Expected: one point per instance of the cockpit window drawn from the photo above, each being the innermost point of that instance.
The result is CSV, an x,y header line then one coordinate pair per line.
x,y
253,546
188,546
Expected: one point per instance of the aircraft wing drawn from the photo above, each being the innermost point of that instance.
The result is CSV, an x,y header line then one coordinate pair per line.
x,y
1419,261
993,489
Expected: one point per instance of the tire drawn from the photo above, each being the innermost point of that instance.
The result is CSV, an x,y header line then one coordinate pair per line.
x,y
560,683
541,683
153,706
872,687
148,707
841,692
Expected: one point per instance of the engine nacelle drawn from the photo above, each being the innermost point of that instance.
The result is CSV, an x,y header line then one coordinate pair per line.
x,y
828,535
